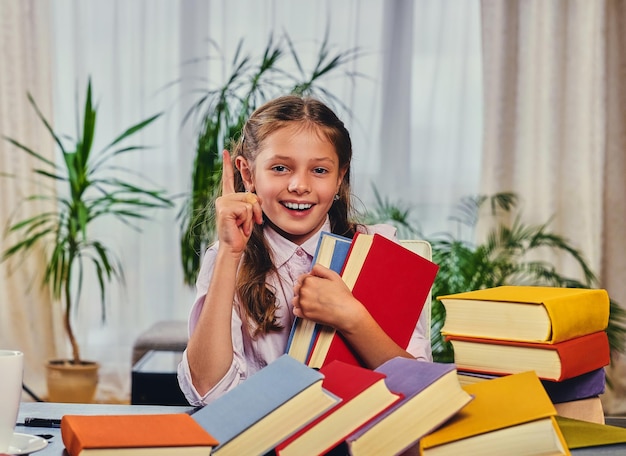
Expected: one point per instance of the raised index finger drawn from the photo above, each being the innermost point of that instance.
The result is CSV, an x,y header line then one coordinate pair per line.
x,y
228,174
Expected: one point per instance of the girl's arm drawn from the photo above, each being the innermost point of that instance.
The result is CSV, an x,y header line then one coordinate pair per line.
x,y
322,296
210,348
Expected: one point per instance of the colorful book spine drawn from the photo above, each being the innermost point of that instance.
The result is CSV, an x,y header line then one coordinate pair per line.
x,y
571,357
391,281
331,252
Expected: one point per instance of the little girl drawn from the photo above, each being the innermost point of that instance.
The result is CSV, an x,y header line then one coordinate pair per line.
x,y
289,180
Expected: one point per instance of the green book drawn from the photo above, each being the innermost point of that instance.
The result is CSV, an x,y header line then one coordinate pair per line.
x,y
587,438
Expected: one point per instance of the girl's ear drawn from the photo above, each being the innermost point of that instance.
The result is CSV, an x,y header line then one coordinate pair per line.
x,y
246,172
342,173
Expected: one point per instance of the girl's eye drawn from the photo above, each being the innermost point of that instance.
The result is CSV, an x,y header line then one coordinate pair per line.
x,y
279,168
320,170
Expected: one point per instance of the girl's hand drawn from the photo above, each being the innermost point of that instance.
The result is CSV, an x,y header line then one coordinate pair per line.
x,y
322,296
236,212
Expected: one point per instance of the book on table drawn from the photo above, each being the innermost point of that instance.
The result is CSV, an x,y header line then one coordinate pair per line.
x,y
589,384
391,281
588,438
431,394
364,394
331,252
526,313
266,408
557,362
136,435
588,409
508,415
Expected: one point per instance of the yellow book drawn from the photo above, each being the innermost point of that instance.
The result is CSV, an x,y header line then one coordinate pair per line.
x,y
509,415
526,313
585,437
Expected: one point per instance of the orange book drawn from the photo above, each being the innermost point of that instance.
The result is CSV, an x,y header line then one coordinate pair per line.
x,y
391,281
363,394
557,362
135,435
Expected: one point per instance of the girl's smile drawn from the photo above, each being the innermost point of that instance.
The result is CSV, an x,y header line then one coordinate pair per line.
x,y
296,174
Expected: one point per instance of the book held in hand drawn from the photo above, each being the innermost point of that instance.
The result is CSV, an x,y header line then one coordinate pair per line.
x,y
431,394
556,362
332,250
136,435
266,408
526,313
508,415
363,394
391,281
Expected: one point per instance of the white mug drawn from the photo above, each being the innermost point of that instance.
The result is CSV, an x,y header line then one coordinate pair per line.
x,y
11,372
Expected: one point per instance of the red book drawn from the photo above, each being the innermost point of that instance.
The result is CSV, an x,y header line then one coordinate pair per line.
x,y
557,362
391,281
364,395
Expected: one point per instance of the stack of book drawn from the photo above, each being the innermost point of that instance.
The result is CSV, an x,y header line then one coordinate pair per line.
x,y
511,414
289,408
390,280
557,332
383,411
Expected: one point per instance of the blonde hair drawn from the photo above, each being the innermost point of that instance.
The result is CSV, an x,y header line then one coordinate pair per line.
x,y
257,298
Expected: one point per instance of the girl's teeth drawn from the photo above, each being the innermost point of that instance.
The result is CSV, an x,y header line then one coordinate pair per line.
x,y
297,206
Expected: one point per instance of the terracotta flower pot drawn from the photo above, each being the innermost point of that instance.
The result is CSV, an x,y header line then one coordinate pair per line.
x,y
69,382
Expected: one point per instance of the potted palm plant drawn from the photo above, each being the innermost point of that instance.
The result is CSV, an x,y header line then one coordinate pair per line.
x,y
220,113
503,258
85,186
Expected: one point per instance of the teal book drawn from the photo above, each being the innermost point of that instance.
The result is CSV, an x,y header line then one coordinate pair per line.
x,y
332,251
266,408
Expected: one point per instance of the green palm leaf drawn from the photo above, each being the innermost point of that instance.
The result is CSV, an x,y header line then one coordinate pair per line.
x,y
65,231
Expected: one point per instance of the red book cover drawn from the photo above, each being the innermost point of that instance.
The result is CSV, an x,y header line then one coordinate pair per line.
x,y
364,394
392,282
574,357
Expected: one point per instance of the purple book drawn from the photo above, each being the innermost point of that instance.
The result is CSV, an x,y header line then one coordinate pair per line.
x,y
431,395
580,387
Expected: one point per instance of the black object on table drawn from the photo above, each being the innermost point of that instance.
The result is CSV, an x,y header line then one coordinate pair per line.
x,y
154,379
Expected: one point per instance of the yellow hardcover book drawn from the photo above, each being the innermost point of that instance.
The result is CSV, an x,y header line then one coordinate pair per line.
x,y
526,313
509,415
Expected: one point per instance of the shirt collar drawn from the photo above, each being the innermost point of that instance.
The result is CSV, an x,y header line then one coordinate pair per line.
x,y
283,249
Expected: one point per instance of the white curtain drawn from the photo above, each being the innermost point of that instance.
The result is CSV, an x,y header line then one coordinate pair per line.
x,y
28,320
554,131
416,123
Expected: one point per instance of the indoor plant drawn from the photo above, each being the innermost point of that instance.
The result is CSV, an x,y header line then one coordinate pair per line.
x,y
85,186
502,258
220,113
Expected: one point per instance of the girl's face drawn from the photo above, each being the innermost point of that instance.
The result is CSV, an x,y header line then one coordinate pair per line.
x,y
296,174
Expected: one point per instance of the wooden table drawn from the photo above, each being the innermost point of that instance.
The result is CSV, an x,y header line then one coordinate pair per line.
x,y
56,411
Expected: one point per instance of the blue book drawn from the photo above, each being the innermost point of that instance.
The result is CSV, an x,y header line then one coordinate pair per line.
x,y
332,251
266,408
